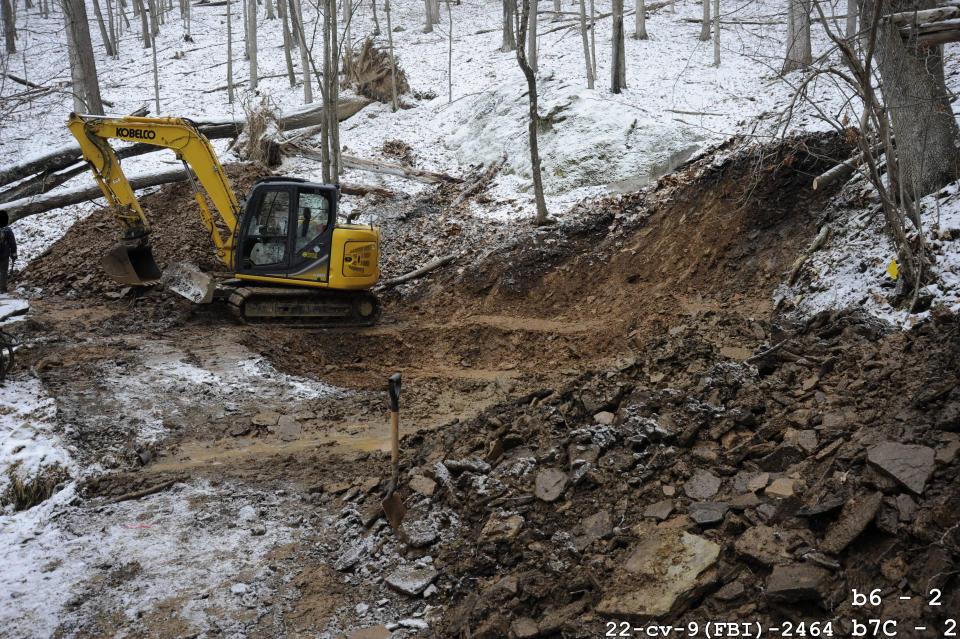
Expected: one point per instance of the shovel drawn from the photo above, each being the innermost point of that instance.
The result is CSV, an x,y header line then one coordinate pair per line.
x,y
392,505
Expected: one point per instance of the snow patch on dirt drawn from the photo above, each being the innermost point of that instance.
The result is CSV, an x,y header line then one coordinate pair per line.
x,y
28,441
159,547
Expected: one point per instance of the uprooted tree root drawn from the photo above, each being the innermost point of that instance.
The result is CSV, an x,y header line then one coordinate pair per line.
x,y
259,142
27,493
370,74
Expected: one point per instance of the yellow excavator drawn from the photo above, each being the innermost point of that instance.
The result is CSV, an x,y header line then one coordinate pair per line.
x,y
290,256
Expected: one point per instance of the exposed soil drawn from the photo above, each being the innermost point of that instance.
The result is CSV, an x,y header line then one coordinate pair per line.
x,y
572,394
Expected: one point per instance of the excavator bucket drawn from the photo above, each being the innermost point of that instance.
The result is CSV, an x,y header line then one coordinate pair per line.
x,y
134,266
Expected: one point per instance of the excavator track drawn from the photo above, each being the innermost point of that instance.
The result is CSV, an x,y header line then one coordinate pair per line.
x,y
304,307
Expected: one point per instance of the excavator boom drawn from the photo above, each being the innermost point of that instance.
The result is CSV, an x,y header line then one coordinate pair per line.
x,y
131,262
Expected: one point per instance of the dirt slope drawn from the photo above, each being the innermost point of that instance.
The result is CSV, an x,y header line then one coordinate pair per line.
x,y
581,400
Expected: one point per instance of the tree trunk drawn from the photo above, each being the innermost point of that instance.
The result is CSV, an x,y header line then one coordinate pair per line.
x,y
230,52
427,17
705,22
798,54
556,10
270,14
393,60
532,38
333,92
296,17
593,37
107,43
527,14
113,31
82,63
138,7
917,100
252,43
449,54
716,33
376,22
153,54
640,32
618,64
853,7
509,40
586,43
287,42
9,28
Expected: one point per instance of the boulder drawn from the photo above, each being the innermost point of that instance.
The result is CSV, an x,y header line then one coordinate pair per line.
x,y
908,464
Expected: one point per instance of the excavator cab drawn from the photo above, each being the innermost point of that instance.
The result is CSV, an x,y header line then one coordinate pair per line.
x,y
287,230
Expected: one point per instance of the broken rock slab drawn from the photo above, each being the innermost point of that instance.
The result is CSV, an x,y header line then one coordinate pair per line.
x,y
423,485
667,571
550,484
797,582
763,544
524,628
854,517
909,464
702,486
659,510
706,513
266,418
411,581
500,528
373,632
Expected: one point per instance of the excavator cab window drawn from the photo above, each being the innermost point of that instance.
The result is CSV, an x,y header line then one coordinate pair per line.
x,y
266,239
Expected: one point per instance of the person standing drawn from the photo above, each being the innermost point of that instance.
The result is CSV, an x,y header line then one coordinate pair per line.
x,y
8,250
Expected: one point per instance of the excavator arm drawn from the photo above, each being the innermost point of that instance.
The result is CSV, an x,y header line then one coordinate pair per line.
x,y
200,162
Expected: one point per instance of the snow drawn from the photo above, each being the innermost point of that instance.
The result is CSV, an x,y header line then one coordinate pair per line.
x,y
28,439
168,549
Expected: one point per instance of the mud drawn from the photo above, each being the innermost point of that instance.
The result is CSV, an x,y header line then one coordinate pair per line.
x,y
631,351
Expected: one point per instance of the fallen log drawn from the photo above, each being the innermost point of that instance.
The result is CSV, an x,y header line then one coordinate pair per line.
x,y
491,171
841,171
360,164
40,184
924,16
19,209
65,156
423,270
818,242
932,33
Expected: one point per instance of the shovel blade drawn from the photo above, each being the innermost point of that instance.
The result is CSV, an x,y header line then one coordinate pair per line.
x,y
394,510
190,282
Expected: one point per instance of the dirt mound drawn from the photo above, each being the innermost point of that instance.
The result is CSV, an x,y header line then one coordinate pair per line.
x,y
71,265
755,477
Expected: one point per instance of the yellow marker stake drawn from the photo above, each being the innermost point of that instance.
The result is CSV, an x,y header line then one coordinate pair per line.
x,y
892,269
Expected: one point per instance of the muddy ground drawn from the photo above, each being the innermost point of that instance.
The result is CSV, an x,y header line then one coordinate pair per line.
x,y
605,421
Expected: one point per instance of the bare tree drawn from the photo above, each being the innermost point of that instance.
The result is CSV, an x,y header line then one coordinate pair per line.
x,y
532,38
296,17
705,22
523,19
376,22
107,43
113,31
9,27
593,37
139,8
716,33
154,30
509,41
83,67
427,16
230,51
586,44
449,54
618,64
287,42
917,101
798,54
640,26
393,60
252,43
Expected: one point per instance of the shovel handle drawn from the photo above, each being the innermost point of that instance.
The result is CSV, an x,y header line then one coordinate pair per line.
x,y
395,438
